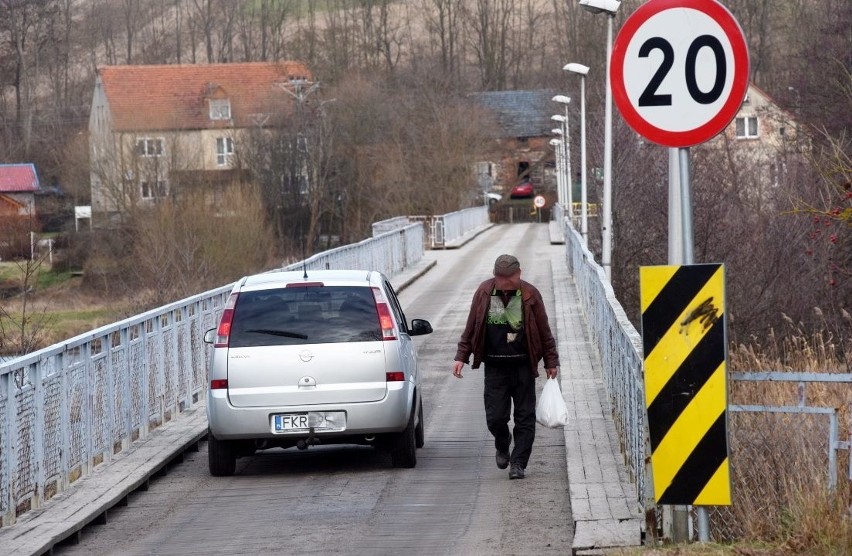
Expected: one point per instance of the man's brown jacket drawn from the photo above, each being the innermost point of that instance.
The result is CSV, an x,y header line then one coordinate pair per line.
x,y
540,341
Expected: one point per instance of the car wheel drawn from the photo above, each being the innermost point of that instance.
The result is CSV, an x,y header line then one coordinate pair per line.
x,y
221,457
404,448
419,433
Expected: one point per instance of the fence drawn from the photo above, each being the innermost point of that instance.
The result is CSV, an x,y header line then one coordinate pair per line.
x,y
620,348
447,229
762,438
780,451
389,252
72,406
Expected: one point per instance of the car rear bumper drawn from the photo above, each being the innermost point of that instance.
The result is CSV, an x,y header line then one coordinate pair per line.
x,y
390,414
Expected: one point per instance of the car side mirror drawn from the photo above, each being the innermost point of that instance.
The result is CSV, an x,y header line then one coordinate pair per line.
x,y
210,336
420,327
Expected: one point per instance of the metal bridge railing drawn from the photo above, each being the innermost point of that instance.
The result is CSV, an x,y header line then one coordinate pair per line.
x,y
446,229
72,406
389,252
69,407
620,348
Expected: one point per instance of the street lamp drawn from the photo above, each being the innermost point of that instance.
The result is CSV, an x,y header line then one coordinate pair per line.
x,y
562,180
566,139
608,7
561,187
582,70
557,148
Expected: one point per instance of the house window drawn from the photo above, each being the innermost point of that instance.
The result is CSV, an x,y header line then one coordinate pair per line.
x,y
149,147
220,109
224,151
152,189
747,127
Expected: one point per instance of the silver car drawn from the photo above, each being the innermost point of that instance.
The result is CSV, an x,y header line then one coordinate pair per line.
x,y
313,357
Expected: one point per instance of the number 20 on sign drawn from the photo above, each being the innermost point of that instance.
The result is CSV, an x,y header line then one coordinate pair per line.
x,y
679,70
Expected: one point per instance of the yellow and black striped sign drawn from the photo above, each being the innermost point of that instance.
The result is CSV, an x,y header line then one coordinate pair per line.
x,y
684,339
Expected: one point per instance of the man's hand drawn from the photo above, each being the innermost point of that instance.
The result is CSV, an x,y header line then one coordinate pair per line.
x,y
551,373
457,369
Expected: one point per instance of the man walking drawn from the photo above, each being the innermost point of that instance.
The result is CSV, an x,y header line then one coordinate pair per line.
x,y
508,330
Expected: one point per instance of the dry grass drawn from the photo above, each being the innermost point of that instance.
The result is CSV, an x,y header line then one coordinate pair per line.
x,y
63,311
779,462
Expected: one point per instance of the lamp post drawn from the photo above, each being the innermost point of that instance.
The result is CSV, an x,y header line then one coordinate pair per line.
x,y
557,148
561,182
582,70
564,180
566,140
608,7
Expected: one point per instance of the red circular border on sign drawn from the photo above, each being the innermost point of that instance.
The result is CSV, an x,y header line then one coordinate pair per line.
x,y
739,87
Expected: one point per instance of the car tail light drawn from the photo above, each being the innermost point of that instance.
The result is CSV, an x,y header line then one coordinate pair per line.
x,y
394,376
224,331
219,384
385,317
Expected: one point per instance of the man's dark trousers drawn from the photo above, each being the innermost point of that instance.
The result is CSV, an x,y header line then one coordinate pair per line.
x,y
503,386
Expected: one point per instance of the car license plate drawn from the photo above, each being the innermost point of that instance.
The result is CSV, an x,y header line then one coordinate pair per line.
x,y
320,421
291,422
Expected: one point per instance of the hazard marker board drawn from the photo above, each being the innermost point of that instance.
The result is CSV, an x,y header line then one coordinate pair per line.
x,y
679,70
684,341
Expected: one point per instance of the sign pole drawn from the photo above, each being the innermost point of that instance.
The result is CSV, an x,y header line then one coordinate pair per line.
x,y
679,74
675,228
686,207
702,515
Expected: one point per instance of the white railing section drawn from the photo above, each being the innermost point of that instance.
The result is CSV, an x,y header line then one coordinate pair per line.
x,y
389,252
72,406
620,348
456,224
69,407
390,224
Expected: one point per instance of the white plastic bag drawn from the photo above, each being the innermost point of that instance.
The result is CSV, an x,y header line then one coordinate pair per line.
x,y
551,410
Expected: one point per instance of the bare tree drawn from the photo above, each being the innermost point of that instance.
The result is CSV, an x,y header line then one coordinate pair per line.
x,y
444,25
490,25
23,324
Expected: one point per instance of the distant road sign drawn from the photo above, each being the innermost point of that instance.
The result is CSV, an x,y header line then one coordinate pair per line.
x,y
679,70
538,201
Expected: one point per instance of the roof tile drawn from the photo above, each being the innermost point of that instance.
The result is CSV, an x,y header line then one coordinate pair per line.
x,y
15,178
163,97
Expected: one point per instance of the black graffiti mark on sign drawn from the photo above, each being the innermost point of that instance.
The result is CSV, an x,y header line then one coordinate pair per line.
x,y
706,313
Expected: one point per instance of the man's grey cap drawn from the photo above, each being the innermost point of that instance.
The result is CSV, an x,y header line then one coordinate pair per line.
x,y
506,265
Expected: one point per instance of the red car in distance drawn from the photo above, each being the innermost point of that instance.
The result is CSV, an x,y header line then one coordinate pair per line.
x,y
522,191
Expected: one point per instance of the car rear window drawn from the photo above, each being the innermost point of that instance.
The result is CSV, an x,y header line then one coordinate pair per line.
x,y
311,315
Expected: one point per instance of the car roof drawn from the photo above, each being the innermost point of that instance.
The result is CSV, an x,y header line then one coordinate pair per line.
x,y
327,277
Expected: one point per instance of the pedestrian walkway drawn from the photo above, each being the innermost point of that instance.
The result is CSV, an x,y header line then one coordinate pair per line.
x,y
604,503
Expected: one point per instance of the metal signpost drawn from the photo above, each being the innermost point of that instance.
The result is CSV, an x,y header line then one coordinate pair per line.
x,y
679,74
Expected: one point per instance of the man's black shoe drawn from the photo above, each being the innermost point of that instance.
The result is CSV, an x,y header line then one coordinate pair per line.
x,y
502,459
516,472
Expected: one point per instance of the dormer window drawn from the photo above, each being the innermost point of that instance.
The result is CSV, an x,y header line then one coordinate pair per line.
x,y
220,109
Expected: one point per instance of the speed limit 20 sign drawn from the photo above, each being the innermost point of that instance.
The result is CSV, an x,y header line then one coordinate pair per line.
x,y
679,70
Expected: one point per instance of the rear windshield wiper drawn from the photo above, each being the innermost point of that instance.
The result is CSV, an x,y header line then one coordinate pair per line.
x,y
284,333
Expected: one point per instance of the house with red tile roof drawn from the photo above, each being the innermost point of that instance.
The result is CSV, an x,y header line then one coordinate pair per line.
x,y
155,127
18,187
